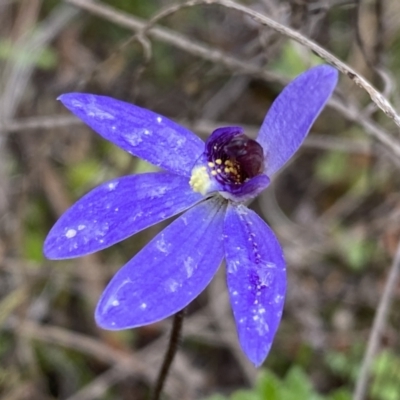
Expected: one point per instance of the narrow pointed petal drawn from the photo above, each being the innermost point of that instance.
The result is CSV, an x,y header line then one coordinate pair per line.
x,y
292,114
116,210
172,270
256,276
138,131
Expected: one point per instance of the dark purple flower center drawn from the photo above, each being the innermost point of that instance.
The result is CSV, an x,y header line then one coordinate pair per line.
x,y
235,158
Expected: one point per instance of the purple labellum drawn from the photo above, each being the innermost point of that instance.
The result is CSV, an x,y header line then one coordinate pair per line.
x,y
232,164
246,155
233,156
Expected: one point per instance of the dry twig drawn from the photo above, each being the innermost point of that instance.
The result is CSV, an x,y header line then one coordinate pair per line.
x,y
378,327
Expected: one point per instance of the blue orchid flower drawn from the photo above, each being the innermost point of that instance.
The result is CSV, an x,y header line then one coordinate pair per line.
x,y
208,183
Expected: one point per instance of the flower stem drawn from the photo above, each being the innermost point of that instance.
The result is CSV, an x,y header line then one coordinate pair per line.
x,y
173,344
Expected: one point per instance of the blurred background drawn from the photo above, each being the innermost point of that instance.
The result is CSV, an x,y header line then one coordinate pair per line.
x,y
335,207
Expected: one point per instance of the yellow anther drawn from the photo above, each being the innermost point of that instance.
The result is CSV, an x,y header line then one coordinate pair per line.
x,y
211,164
219,170
219,161
200,180
214,173
227,170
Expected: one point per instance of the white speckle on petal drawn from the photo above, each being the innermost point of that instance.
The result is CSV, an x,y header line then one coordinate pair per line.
x,y
116,209
81,227
278,299
146,132
136,216
113,127
101,230
134,139
256,317
265,276
112,323
242,210
171,285
262,327
143,306
157,191
269,264
115,303
93,111
181,141
70,233
159,119
112,185
235,293
77,103
162,245
232,266
189,266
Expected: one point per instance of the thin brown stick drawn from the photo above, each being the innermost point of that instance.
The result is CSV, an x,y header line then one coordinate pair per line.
x,y
378,327
359,80
175,39
216,56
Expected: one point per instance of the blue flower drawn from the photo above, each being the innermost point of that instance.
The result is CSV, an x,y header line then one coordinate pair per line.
x,y
207,182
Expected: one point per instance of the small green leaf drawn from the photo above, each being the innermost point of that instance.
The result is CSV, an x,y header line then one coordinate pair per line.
x,y
245,395
268,385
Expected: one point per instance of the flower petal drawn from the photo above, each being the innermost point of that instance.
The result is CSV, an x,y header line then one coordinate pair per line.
x,y
140,132
168,273
116,210
293,113
256,276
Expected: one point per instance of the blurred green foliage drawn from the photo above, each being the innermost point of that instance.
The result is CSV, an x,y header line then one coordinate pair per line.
x,y
294,386
46,59
297,384
385,374
291,61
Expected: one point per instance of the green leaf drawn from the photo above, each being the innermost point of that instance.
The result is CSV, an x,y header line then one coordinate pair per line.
x,y
268,385
386,374
245,395
341,394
